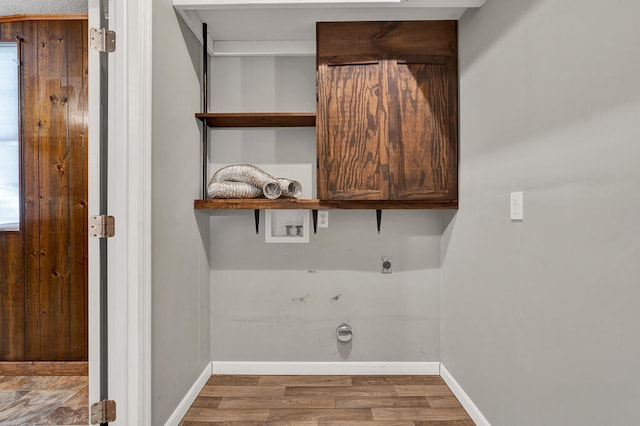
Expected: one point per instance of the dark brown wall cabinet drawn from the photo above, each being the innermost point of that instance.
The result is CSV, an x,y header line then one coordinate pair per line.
x,y
387,111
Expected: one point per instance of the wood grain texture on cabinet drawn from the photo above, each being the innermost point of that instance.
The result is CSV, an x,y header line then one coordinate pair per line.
x,y
387,112
351,132
422,153
389,40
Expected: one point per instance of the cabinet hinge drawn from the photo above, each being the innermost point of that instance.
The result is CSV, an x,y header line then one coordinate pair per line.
x,y
102,226
103,412
102,40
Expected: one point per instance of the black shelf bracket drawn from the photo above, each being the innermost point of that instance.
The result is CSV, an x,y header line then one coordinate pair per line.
x,y
256,218
379,219
205,106
314,214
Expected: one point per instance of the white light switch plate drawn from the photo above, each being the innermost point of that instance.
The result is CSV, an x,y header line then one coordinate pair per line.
x,y
323,218
517,206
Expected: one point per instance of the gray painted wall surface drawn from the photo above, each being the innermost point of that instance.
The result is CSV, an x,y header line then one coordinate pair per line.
x,y
181,335
540,318
29,7
266,304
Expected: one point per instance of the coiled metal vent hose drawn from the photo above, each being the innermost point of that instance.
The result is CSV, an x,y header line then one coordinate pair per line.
x,y
248,181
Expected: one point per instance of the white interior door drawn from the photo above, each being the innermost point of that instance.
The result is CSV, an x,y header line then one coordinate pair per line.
x,y
94,188
120,117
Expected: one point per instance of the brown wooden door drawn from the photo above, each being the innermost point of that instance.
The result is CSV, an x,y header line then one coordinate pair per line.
x,y
43,267
422,139
352,131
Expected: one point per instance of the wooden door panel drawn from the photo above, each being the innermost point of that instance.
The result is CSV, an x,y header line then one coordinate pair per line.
x,y
421,146
12,284
78,207
352,128
44,266
12,289
78,262
31,123
54,184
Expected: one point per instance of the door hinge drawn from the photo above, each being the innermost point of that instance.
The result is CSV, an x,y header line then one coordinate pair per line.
x,y
103,412
102,40
102,226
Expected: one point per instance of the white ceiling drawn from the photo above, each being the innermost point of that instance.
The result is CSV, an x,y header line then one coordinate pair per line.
x,y
39,7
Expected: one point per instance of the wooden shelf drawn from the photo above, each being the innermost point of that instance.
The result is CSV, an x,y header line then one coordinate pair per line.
x,y
314,204
259,119
256,204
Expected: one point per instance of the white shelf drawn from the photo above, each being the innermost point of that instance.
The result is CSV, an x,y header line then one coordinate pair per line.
x,y
287,27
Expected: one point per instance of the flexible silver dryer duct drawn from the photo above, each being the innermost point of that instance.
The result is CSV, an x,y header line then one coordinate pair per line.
x,y
290,188
233,190
243,174
248,181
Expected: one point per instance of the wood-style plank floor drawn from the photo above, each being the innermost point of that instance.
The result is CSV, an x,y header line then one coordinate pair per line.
x,y
326,401
44,400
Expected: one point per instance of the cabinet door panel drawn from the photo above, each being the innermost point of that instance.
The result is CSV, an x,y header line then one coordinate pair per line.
x,y
422,140
352,127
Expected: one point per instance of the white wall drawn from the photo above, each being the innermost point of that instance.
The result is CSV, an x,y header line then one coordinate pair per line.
x,y
283,302
181,338
540,318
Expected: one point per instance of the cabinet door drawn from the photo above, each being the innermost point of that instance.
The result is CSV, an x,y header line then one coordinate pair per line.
x,y
352,125
423,129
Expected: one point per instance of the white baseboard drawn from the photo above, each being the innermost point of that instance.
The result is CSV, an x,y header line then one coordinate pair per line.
x,y
330,368
467,403
183,407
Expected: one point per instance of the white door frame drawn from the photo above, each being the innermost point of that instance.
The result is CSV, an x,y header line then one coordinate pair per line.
x,y
129,200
